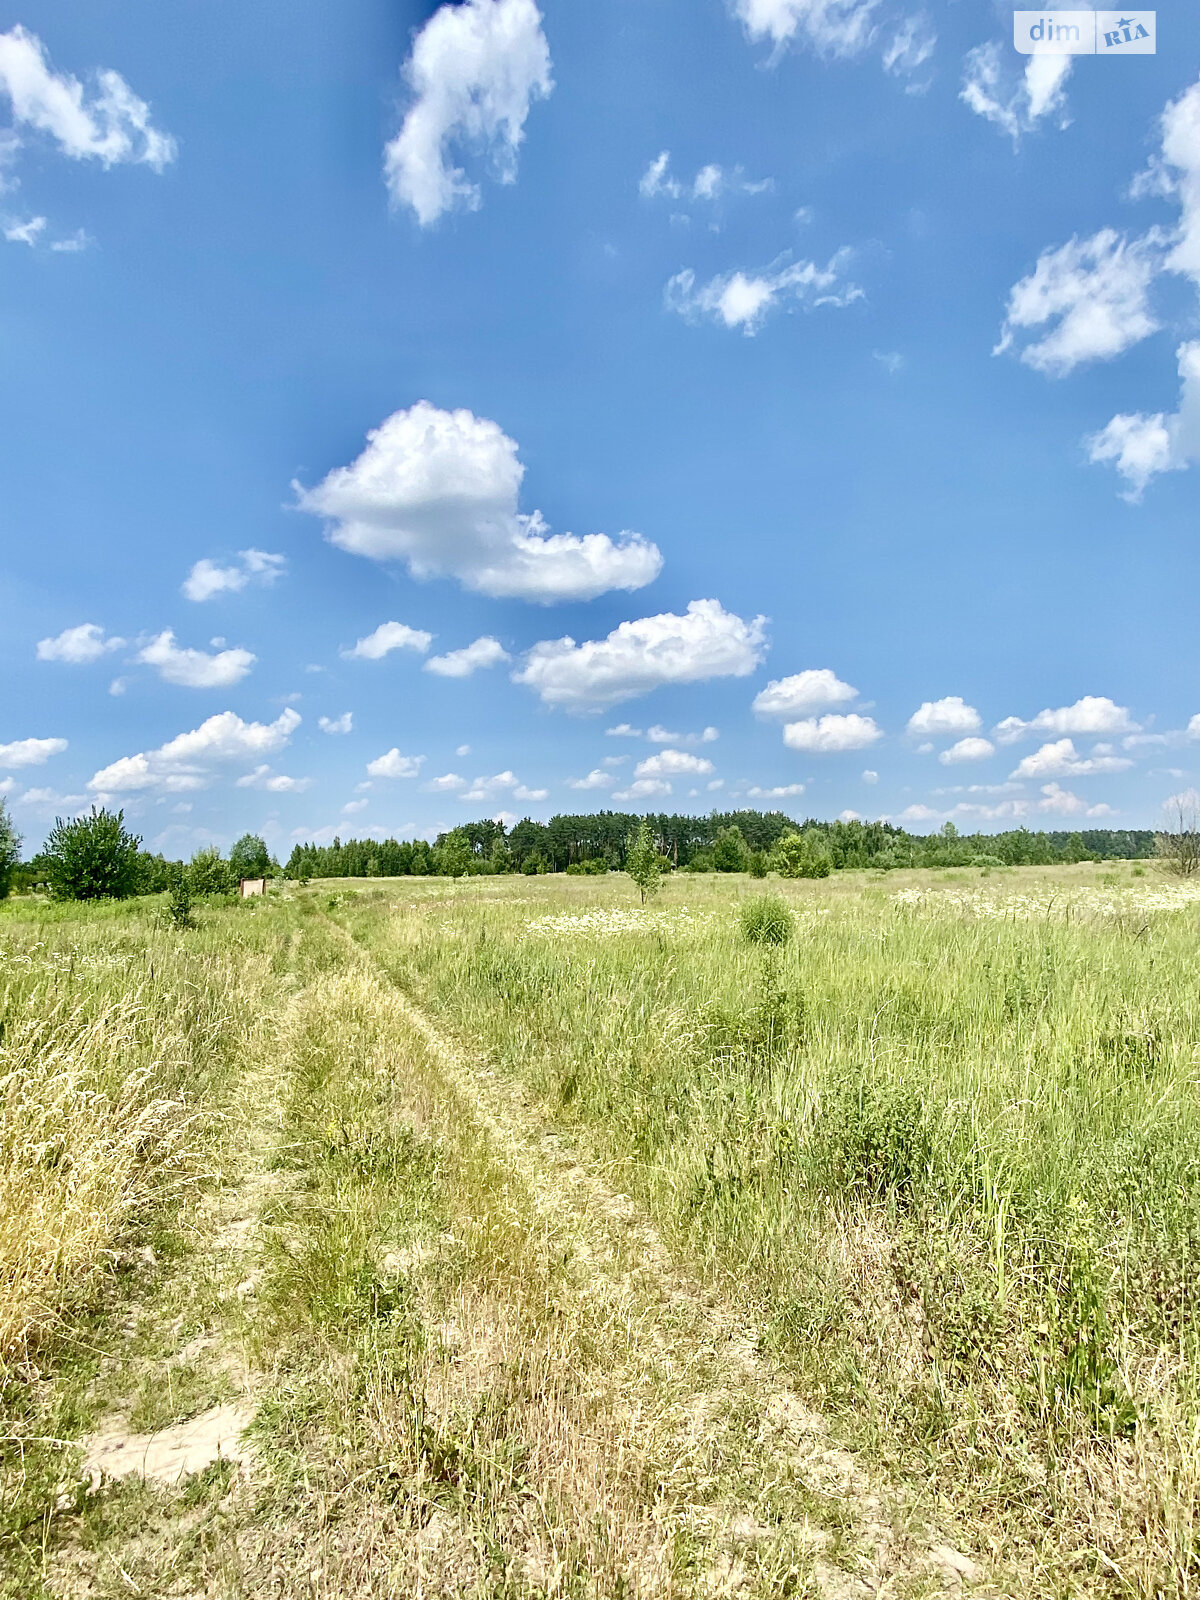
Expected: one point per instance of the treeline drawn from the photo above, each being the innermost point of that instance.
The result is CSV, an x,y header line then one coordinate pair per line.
x,y
724,841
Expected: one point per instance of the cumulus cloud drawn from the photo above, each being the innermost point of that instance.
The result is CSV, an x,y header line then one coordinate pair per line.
x,y
190,759
745,299
342,724
1142,444
501,783
831,27
446,784
1014,98
273,782
107,123
829,734
79,645
803,692
932,718
781,791
389,636
673,763
194,669
705,642
644,789
1193,727
917,813
1060,759
711,182
30,752
207,578
970,749
597,778
1095,295
438,490
394,765
484,652
1063,803
870,776
1093,714
474,72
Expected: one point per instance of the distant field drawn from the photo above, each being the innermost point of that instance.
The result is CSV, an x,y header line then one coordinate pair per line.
x,y
937,1158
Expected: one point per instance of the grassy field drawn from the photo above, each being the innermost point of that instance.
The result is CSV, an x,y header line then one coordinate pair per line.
x,y
535,1243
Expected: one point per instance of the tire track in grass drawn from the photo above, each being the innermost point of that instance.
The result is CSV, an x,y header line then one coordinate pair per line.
x,y
793,1493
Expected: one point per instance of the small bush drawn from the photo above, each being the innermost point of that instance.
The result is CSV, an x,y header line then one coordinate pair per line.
x,y
766,920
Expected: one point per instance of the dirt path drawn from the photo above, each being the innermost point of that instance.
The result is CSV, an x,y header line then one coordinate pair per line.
x,y
711,1357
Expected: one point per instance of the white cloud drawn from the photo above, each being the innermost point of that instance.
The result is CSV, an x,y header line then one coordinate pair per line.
x,y
342,724
353,806
1014,99
673,763
831,27
830,734
1093,714
660,735
438,490
970,749
949,715
802,692
710,183
394,765
484,652
1060,759
917,813
1141,446
870,776
273,782
644,789
1094,292
30,752
782,791
1063,803
501,783
636,657
207,579
193,669
26,232
446,784
597,778
745,299
78,645
187,761
909,48
474,71
1193,727
109,125
389,636
623,731
463,750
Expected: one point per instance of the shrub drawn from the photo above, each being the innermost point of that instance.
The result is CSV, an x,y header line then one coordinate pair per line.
x,y
642,861
179,905
766,919
757,864
593,867
92,858
803,855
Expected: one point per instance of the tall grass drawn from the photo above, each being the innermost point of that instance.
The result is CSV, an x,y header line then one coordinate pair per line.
x,y
115,1039
951,1156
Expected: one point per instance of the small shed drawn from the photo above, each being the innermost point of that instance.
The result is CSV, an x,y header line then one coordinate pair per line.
x,y
249,886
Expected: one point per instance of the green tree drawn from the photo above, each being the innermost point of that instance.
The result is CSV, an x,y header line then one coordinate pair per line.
x,y
454,855
250,858
207,873
501,859
92,858
729,852
643,862
10,850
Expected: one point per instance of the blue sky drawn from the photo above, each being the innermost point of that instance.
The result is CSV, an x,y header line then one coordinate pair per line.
x,y
810,388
